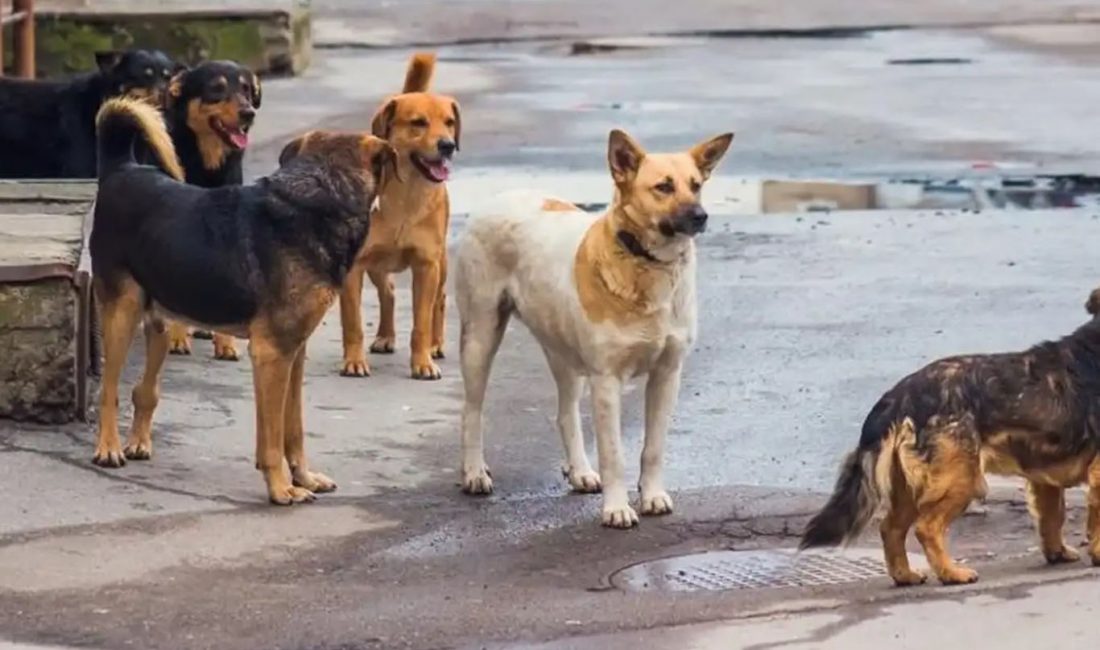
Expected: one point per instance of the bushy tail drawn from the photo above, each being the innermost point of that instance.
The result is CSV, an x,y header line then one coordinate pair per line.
x,y
851,506
120,124
419,75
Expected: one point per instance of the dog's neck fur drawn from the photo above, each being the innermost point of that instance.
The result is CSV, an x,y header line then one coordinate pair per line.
x,y
629,284
410,197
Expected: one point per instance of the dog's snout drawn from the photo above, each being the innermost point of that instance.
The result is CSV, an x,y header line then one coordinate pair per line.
x,y
247,114
446,147
697,215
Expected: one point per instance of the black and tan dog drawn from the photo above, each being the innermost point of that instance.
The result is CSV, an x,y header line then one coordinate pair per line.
x,y
262,261
210,110
47,128
928,442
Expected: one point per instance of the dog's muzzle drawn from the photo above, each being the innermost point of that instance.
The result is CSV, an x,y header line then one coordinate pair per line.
x,y
689,221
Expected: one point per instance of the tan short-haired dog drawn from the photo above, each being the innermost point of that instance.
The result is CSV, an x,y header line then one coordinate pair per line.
x,y
608,298
409,226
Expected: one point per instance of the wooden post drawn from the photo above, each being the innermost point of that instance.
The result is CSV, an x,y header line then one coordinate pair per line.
x,y
23,41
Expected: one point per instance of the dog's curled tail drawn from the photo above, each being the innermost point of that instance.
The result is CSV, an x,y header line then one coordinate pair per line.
x,y
120,124
864,483
418,78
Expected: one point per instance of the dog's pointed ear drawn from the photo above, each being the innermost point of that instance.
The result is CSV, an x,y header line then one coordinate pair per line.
x,y
106,60
257,90
707,154
382,124
175,88
458,126
624,156
292,149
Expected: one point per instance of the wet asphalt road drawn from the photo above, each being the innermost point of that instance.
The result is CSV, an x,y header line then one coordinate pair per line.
x,y
804,321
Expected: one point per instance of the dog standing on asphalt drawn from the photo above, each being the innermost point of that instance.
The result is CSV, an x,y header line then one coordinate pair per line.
x,y
607,297
928,442
409,226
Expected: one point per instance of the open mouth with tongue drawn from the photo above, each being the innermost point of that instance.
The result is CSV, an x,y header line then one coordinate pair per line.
x,y
437,170
234,136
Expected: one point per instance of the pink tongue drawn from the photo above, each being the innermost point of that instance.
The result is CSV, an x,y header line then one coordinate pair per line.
x,y
239,139
440,171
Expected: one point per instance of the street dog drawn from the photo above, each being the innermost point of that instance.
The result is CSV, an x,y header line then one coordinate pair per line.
x,y
210,110
47,128
607,297
262,261
929,441
409,226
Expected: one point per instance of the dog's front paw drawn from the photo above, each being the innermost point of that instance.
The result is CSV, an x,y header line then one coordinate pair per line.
x,y
1065,556
382,345
355,368
426,369
138,450
179,343
289,495
437,351
619,516
584,480
313,481
656,503
477,481
109,455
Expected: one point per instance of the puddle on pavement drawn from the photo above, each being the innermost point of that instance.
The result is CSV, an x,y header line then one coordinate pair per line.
x,y
730,570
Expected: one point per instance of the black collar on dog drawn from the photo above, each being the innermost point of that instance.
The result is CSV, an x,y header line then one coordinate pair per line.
x,y
634,247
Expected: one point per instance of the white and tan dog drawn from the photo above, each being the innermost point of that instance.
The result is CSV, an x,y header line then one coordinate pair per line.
x,y
608,298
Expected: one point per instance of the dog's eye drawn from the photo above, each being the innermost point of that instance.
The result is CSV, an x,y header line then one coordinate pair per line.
x,y
419,122
450,122
665,188
149,72
695,186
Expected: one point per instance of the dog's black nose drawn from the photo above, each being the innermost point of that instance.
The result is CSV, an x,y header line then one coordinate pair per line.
x,y
446,147
698,217
246,115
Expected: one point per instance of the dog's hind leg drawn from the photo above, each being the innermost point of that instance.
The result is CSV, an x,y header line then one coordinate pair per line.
x,y
385,336
607,408
661,390
294,433
483,325
952,480
577,469
179,338
901,512
120,310
351,324
1047,504
147,392
439,322
1094,511
271,371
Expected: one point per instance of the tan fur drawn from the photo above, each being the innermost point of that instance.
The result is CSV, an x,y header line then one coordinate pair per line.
x,y
557,205
156,133
212,148
408,231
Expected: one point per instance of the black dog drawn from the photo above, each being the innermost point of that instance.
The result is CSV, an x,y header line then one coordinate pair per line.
x,y
47,128
263,261
209,110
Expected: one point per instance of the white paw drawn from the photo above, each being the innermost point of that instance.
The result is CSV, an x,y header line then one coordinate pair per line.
x,y
656,503
479,481
619,516
584,480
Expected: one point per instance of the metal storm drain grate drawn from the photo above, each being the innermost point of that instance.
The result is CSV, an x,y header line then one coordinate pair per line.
x,y
726,570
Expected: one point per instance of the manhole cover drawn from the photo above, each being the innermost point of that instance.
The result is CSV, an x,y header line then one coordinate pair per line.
x,y
725,570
